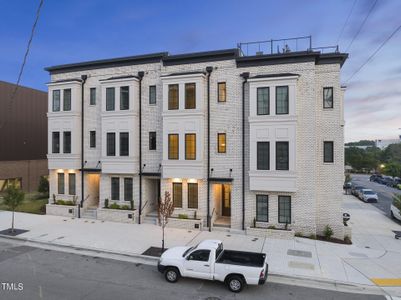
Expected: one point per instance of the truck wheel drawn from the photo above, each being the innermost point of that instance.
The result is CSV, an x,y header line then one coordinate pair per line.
x,y
235,284
172,275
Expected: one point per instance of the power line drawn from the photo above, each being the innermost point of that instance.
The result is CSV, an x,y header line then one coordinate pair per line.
x,y
360,27
374,53
25,58
346,21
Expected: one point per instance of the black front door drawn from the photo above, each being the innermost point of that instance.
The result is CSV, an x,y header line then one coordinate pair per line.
x,y
226,200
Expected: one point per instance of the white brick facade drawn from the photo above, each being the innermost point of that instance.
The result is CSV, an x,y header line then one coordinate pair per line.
x,y
315,187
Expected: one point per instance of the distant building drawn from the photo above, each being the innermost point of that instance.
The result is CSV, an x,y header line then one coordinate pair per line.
x,y
383,144
23,137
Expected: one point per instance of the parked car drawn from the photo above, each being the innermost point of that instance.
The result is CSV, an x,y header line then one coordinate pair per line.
x,y
208,260
395,212
367,195
347,185
397,183
355,190
375,177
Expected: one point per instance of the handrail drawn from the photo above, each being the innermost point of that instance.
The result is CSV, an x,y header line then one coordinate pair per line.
x,y
144,205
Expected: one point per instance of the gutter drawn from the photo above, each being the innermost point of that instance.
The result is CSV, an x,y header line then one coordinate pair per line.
x,y
209,221
245,76
140,76
83,81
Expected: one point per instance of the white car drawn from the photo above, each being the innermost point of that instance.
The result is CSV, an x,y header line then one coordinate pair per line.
x,y
395,212
368,195
210,261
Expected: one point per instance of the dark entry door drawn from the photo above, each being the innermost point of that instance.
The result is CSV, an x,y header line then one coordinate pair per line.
x,y
226,200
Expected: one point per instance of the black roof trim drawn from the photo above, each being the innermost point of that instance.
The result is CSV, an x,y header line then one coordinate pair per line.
x,y
273,75
151,174
91,170
221,179
184,73
120,77
66,80
112,62
291,57
198,57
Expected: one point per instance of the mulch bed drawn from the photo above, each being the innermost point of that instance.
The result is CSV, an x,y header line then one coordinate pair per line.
x,y
154,251
15,233
333,240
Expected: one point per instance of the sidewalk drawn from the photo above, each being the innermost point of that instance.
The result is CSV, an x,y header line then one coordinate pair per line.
x,y
375,255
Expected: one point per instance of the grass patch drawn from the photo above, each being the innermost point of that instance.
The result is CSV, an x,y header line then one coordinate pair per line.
x,y
34,203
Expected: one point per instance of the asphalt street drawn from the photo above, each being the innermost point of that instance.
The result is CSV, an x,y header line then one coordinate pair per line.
x,y
47,274
385,193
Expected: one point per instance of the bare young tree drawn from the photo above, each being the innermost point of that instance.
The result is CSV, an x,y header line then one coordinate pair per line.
x,y
165,210
12,199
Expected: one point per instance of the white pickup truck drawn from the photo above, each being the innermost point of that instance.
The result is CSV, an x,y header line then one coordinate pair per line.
x,y
208,260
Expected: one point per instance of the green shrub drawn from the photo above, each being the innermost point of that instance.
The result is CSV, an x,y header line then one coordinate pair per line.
x,y
299,234
126,207
312,236
43,185
347,239
60,202
271,227
182,216
131,203
69,202
106,203
114,206
328,232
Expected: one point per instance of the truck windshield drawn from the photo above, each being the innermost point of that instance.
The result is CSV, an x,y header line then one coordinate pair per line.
x,y
187,251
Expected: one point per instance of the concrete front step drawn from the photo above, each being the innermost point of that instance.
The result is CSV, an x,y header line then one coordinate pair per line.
x,y
149,220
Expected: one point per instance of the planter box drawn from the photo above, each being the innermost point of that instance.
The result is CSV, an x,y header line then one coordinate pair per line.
x,y
117,215
62,210
271,233
189,224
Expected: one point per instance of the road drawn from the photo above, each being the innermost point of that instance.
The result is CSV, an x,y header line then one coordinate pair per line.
x,y
47,274
385,193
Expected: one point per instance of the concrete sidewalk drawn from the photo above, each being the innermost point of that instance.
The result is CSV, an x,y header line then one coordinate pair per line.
x,y
373,259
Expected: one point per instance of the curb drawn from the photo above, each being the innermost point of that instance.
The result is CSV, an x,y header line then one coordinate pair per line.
x,y
150,260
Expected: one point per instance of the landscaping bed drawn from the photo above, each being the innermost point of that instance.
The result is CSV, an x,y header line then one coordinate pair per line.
x,y
34,203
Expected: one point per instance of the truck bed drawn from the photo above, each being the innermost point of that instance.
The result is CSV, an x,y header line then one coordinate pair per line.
x,y
241,258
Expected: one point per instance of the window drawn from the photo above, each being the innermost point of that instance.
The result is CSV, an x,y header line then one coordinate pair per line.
x,y
92,99
328,152
115,188
124,144
282,156
190,146
128,189
55,142
173,146
173,96
199,255
152,140
111,144
92,139
177,194
221,92
67,100
263,155
152,94
328,97
281,100
262,208
110,99
60,183
221,143
192,195
67,141
190,95
124,98
262,101
56,100
71,184
284,209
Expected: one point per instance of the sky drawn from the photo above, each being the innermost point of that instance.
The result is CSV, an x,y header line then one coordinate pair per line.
x,y
81,30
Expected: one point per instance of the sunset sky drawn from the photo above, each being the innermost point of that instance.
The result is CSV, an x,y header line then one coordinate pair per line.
x,y
76,30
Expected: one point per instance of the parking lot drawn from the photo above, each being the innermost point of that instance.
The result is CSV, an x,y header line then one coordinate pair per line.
x,y
385,193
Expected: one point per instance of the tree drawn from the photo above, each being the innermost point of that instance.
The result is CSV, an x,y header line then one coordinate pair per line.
x,y
165,210
392,153
12,199
397,201
392,169
361,143
43,185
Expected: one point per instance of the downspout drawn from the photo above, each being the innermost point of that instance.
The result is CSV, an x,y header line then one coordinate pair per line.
x,y
83,81
140,76
209,221
245,76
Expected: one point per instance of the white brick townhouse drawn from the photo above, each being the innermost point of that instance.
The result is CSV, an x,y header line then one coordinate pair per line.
x,y
238,140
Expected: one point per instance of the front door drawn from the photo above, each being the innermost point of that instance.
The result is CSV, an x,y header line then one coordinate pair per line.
x,y
226,200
